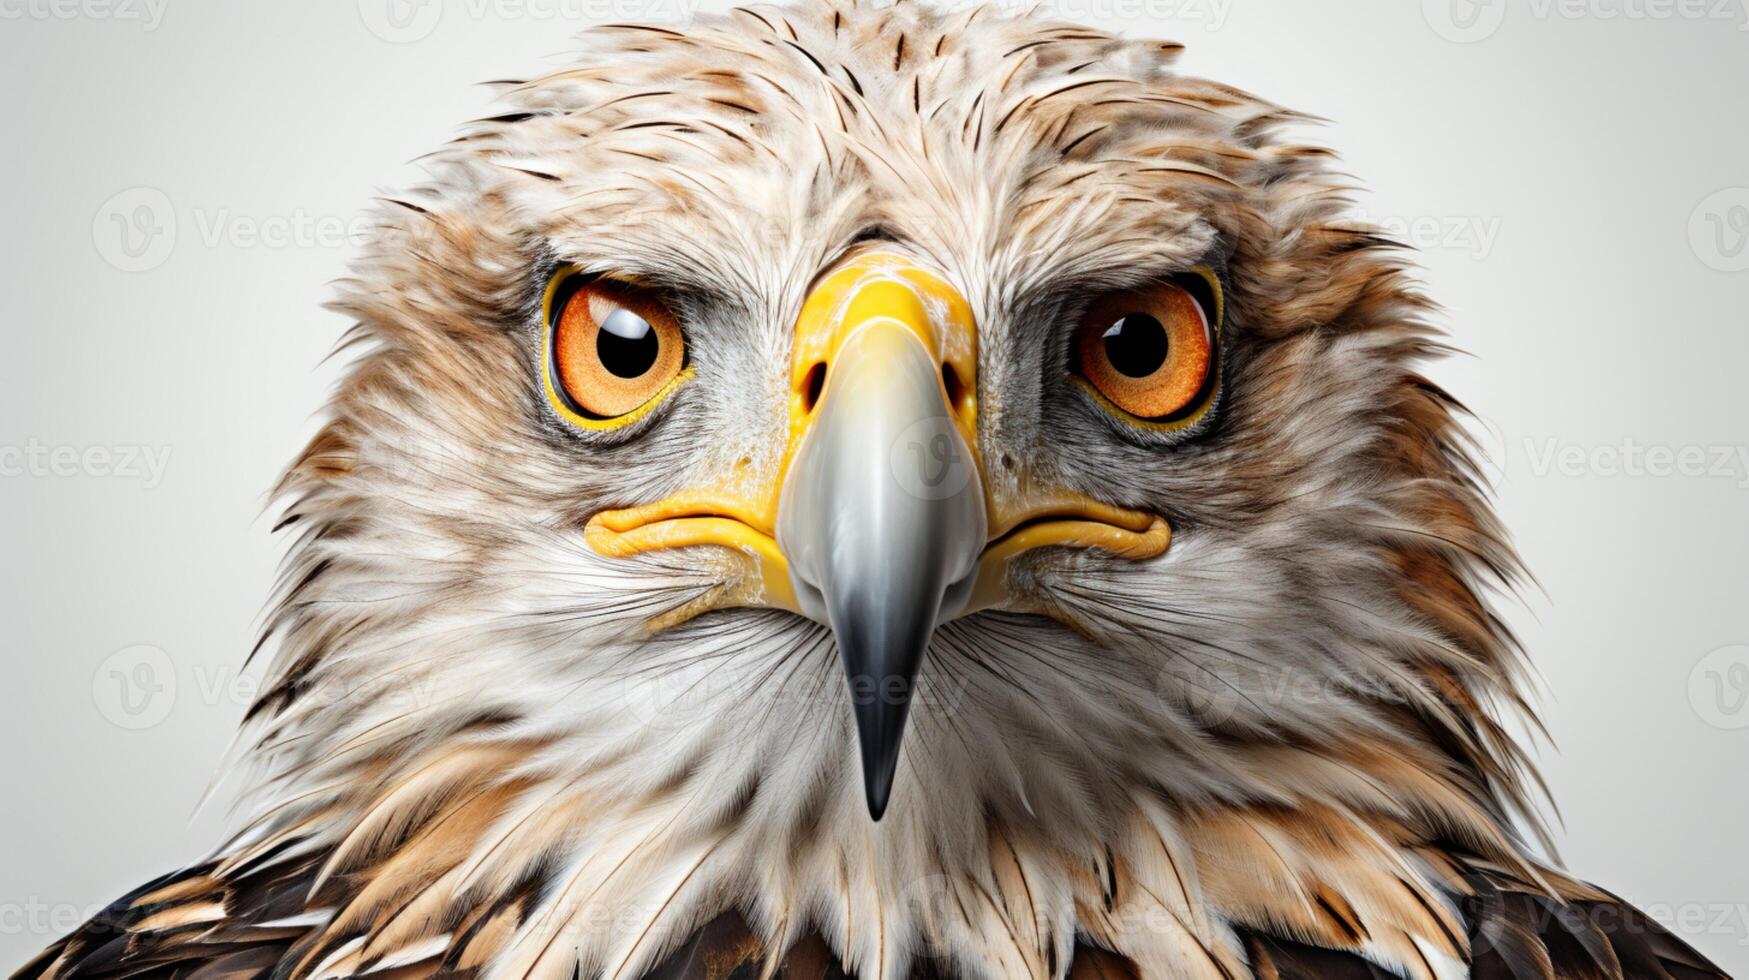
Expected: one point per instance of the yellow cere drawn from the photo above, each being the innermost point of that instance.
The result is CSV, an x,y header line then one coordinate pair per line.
x,y
879,286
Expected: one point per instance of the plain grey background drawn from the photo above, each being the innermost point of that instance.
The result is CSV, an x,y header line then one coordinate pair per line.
x,y
180,178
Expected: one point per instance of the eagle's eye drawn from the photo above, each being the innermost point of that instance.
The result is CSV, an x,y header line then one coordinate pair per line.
x,y
1151,353
613,350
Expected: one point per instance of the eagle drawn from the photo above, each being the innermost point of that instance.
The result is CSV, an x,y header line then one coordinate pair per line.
x,y
867,490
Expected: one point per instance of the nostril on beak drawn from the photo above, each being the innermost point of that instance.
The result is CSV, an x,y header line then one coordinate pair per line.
x,y
956,388
814,387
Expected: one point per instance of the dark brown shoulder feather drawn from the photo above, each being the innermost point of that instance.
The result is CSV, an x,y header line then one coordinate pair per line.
x,y
1519,933
195,926
189,924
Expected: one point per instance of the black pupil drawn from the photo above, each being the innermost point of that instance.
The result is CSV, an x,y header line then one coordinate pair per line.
x,y
1136,345
627,344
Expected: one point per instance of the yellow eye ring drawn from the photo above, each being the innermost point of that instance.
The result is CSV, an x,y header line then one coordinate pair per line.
x,y
1151,356
610,351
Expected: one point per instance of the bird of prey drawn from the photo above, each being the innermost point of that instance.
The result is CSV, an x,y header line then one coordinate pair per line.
x,y
870,491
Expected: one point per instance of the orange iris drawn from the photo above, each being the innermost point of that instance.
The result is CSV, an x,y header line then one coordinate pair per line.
x,y
1150,352
613,347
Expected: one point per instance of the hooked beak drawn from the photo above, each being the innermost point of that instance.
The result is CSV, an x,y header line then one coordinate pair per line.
x,y
882,519
879,522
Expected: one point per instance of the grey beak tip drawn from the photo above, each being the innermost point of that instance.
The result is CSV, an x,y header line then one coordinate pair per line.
x,y
880,723
880,764
878,793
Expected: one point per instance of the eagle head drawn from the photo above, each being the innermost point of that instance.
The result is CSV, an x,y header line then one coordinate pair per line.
x,y
875,469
